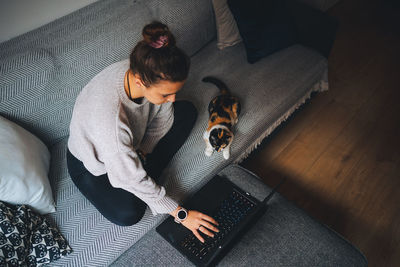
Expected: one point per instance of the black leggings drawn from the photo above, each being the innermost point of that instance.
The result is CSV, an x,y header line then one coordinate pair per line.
x,y
118,205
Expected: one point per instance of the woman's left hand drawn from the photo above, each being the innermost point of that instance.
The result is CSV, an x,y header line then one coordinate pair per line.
x,y
199,222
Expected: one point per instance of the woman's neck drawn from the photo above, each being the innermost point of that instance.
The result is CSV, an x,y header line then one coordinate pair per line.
x,y
131,89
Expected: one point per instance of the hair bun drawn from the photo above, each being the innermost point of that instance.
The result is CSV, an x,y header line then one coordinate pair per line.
x,y
157,35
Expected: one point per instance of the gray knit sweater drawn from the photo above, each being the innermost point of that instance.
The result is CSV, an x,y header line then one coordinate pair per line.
x,y
107,128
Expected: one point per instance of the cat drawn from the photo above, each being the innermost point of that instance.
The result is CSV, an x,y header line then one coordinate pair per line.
x,y
224,110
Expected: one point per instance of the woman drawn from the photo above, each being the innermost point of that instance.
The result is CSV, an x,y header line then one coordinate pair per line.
x,y
125,128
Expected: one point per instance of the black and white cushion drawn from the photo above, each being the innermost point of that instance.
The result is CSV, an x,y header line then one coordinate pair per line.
x,y
26,238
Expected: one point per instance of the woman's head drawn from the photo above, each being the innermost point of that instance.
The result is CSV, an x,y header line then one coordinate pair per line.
x,y
158,62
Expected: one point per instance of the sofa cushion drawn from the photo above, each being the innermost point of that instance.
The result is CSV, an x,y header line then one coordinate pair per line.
x,y
25,78
24,165
266,26
227,30
266,102
314,28
28,239
320,4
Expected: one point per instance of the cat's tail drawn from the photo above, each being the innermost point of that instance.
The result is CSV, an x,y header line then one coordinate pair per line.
x,y
221,85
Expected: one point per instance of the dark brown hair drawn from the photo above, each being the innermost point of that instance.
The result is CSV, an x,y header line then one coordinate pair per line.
x,y
157,57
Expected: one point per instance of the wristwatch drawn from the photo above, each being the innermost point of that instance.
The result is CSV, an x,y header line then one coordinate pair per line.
x,y
181,215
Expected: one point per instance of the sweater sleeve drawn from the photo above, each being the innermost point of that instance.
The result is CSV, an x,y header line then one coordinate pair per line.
x,y
125,171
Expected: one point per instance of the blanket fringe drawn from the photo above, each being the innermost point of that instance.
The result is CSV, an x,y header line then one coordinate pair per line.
x,y
321,86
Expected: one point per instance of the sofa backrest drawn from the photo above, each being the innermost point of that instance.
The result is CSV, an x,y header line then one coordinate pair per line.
x,y
43,71
192,21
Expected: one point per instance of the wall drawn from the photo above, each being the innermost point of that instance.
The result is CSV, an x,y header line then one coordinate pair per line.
x,y
20,16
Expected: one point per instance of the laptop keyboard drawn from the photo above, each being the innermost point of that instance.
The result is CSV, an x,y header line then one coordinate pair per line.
x,y
230,213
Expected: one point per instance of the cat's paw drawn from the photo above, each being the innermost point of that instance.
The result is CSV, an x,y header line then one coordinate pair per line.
x,y
208,152
226,154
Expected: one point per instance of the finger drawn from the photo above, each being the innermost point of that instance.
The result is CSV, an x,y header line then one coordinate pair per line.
x,y
206,231
208,218
209,226
199,237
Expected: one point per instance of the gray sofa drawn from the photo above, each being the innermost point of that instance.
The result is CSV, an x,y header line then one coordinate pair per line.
x,y
43,71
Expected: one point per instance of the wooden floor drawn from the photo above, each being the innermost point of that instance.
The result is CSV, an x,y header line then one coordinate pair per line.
x,y
340,152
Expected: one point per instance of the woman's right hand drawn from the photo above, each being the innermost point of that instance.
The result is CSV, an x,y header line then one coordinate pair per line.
x,y
199,222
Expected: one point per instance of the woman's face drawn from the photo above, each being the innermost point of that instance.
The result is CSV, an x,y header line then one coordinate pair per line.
x,y
162,92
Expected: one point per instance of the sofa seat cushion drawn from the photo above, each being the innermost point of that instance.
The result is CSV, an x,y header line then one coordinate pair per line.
x,y
269,91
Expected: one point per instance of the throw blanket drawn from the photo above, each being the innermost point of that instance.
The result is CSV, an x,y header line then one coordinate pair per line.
x,y
27,239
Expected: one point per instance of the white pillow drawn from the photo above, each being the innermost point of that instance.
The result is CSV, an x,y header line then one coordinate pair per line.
x,y
24,165
227,30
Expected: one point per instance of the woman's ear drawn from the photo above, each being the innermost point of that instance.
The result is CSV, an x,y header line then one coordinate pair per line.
x,y
138,80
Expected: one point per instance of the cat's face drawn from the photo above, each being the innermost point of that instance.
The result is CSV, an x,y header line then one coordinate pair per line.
x,y
220,138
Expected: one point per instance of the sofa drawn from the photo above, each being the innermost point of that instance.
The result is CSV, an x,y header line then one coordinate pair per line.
x,y
43,71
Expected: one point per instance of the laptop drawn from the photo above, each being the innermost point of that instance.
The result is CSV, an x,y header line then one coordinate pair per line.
x,y
235,211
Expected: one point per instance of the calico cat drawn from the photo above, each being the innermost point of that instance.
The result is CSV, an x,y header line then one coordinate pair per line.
x,y
224,110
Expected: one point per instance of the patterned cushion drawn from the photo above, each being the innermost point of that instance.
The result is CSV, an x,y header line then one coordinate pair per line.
x,y
28,239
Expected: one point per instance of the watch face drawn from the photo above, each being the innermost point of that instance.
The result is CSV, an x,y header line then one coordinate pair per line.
x,y
182,215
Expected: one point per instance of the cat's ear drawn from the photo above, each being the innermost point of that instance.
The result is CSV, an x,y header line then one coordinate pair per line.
x,y
228,135
213,138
